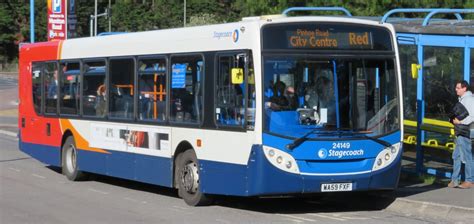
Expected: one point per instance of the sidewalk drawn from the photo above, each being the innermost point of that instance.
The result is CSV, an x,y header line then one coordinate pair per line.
x,y
434,201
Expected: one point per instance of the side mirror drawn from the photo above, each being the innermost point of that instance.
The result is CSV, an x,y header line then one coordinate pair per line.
x,y
237,75
414,70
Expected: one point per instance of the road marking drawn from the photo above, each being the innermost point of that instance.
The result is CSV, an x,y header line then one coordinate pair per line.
x,y
97,191
130,199
16,170
175,210
9,125
8,133
297,217
327,217
39,176
354,218
222,220
295,220
179,207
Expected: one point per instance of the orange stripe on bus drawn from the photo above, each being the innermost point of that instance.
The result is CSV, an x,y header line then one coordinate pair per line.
x,y
81,143
60,49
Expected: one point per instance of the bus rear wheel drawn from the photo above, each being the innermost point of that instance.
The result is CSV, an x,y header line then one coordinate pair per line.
x,y
69,161
188,180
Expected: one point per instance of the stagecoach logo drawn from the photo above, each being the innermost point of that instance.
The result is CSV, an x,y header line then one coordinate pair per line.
x,y
235,35
323,153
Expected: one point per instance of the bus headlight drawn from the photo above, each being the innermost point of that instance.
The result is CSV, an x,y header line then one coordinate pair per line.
x,y
271,153
386,157
288,164
281,160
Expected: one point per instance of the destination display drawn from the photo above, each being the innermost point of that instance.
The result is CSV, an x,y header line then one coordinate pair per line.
x,y
325,37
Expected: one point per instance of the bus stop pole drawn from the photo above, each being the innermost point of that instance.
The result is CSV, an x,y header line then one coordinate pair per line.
x,y
32,21
95,18
420,135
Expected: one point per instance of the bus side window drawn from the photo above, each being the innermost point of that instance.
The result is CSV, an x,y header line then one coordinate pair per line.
x,y
251,95
230,105
186,90
69,85
235,100
37,73
121,88
51,87
152,89
93,89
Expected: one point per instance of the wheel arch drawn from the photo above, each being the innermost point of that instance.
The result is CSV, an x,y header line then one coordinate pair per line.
x,y
181,148
66,134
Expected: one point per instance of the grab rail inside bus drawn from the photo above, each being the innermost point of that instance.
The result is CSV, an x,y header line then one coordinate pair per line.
x,y
455,11
413,10
293,9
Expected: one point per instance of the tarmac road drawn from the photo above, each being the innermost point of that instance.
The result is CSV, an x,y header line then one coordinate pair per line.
x,y
33,193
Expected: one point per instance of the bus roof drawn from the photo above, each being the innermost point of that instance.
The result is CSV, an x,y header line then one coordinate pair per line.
x,y
244,34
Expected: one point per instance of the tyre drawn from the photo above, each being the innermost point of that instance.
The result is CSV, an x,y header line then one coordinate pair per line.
x,y
69,161
188,181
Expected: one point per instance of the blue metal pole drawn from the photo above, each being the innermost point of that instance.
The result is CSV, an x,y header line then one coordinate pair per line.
x,y
420,154
32,21
292,9
467,62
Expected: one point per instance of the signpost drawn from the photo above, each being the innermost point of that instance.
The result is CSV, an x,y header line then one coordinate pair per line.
x,y
57,17
61,19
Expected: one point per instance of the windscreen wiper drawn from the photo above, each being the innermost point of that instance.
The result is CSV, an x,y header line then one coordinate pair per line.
x,y
364,135
303,138
299,140
380,141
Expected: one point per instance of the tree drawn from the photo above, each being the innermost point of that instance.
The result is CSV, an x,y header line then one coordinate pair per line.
x,y
202,19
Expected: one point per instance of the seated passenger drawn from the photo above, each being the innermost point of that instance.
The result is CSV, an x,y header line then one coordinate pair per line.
x,y
321,94
145,98
278,101
290,95
100,106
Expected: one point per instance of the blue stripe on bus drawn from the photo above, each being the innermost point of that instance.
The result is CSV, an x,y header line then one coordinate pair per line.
x,y
275,181
258,177
143,168
90,161
223,178
154,170
309,162
44,153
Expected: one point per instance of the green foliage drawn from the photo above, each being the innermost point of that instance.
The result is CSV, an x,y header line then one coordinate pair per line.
x,y
202,19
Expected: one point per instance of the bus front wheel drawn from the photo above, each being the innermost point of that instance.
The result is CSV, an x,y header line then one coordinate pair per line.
x,y
188,180
69,161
